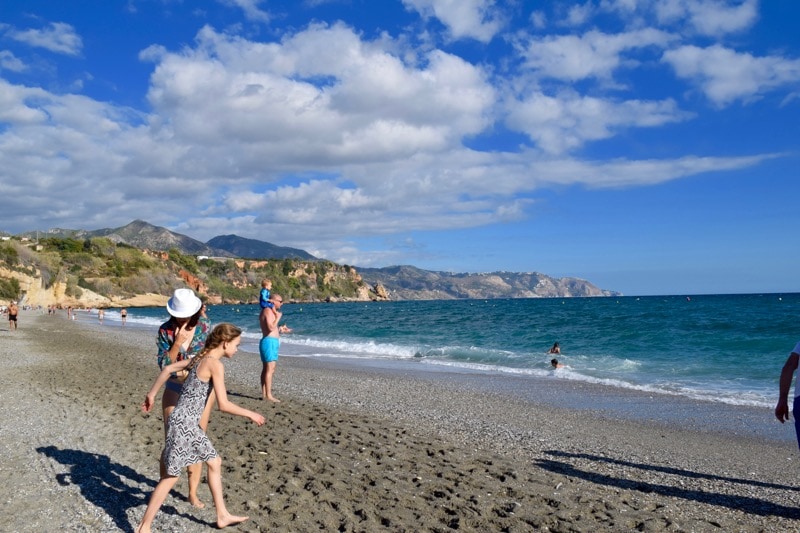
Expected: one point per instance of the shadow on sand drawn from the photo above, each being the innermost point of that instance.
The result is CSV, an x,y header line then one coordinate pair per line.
x,y
110,486
744,503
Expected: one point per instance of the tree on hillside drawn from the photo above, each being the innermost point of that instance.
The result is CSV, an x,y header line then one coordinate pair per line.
x,y
9,289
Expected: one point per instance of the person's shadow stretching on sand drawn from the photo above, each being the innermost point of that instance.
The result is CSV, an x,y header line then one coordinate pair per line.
x,y
110,486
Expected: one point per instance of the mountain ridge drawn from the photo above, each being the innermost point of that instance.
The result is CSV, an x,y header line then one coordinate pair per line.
x,y
402,282
255,249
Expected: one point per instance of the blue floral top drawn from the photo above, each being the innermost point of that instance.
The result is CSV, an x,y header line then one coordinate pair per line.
x,y
166,338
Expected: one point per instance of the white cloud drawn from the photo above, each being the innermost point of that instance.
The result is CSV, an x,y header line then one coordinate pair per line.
x,y
579,14
58,37
476,19
709,17
72,159
8,61
538,20
591,55
621,6
456,190
13,109
321,96
565,122
725,75
628,173
304,141
250,8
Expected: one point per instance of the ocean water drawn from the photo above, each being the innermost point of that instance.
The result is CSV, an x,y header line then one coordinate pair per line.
x,y
721,348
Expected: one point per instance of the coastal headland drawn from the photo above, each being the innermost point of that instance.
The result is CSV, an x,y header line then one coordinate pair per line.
x,y
139,265
362,449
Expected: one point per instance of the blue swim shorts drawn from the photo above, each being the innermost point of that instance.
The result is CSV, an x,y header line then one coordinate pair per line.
x,y
268,349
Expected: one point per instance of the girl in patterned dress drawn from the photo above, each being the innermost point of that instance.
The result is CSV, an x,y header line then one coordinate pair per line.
x,y
183,337
187,443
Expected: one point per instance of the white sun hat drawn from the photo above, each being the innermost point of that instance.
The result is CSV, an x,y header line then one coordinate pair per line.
x,y
184,303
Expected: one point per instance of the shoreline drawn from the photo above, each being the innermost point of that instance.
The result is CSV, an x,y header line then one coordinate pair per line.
x,y
739,378
600,399
605,401
367,449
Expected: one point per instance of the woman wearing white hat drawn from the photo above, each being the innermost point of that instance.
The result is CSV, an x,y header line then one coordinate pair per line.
x,y
182,337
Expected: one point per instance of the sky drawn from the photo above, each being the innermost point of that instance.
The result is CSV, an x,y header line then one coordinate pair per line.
x,y
648,146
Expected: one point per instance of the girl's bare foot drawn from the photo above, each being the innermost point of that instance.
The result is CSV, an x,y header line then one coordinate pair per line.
x,y
273,399
195,501
229,520
143,529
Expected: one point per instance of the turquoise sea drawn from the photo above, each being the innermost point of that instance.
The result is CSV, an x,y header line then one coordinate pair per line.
x,y
722,348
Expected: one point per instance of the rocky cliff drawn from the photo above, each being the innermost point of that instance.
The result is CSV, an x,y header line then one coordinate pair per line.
x,y
411,283
34,293
120,264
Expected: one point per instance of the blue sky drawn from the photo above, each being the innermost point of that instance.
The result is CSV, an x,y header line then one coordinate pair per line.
x,y
650,147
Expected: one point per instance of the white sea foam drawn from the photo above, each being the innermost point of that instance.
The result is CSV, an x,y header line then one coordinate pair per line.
x,y
731,397
354,349
634,354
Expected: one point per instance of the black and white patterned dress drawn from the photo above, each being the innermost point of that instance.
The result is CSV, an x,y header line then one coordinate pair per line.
x,y
187,444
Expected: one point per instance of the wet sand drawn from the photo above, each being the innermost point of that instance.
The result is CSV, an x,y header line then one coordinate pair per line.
x,y
367,448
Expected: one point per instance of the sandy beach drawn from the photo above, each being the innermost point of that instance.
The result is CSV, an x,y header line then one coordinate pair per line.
x,y
365,449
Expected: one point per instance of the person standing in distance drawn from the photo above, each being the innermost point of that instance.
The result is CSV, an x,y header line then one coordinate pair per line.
x,y
270,342
785,383
13,311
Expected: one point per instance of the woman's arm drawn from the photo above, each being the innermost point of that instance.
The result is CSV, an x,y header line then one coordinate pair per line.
x,y
223,403
785,383
163,376
169,344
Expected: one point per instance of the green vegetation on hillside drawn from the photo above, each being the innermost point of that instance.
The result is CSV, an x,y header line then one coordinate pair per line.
x,y
9,289
118,270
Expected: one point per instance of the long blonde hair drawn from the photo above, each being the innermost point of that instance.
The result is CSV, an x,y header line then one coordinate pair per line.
x,y
221,333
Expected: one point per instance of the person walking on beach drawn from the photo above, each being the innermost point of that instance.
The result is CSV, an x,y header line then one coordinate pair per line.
x,y
13,311
182,337
187,443
269,344
784,384
123,315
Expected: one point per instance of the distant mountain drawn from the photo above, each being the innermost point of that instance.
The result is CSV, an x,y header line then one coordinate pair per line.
x,y
255,249
411,283
142,234
58,233
139,234
402,282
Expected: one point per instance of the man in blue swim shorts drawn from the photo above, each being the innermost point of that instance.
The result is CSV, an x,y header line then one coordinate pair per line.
x,y
268,348
782,409
269,344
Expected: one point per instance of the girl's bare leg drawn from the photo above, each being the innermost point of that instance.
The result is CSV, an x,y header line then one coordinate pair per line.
x,y
156,500
168,402
196,470
224,518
